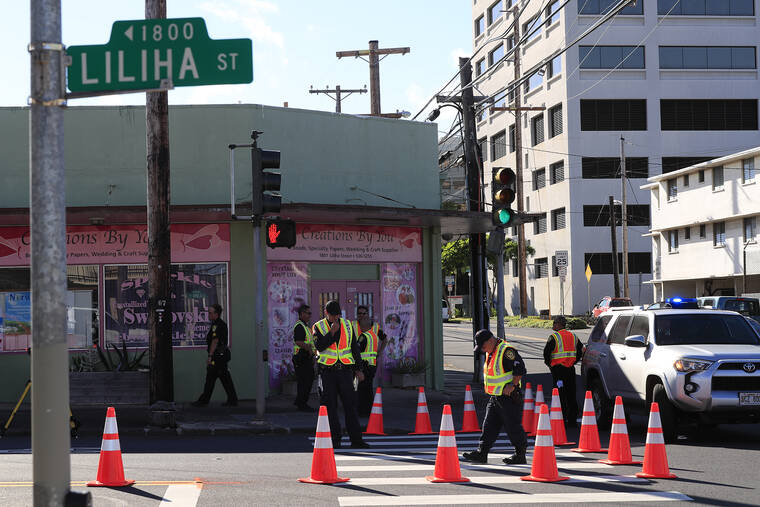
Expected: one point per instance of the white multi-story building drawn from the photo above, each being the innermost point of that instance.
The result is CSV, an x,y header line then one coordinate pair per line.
x,y
704,228
676,79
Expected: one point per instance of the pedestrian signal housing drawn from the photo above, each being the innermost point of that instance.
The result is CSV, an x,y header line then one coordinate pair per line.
x,y
280,233
503,195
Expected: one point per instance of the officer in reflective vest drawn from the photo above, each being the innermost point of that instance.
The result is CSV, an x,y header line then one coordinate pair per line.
x,y
303,358
339,362
502,372
371,343
563,349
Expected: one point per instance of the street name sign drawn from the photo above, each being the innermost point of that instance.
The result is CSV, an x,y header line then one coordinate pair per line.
x,y
141,53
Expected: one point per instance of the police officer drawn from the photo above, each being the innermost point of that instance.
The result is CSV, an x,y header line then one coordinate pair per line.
x,y
371,343
303,357
216,363
339,362
502,372
563,349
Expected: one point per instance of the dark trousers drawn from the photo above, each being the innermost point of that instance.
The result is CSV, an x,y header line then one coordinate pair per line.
x,y
566,376
218,370
503,411
338,382
365,394
305,375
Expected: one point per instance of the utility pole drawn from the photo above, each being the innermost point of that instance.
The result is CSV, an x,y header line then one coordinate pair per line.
x,y
613,239
624,211
374,68
338,93
159,240
521,253
51,465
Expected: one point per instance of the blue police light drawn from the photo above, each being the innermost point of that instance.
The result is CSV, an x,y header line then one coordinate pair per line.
x,y
674,300
678,302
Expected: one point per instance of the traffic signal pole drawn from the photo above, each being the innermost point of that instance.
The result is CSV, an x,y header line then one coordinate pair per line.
x,y
260,289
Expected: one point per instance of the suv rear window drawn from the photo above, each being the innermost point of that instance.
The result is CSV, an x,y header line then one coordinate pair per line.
x,y
597,334
745,306
699,329
621,302
617,335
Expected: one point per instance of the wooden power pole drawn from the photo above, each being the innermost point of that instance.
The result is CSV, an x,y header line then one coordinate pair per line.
x,y
159,244
374,68
338,92
522,258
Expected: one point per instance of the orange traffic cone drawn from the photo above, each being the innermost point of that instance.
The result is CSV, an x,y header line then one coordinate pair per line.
x,y
422,424
447,458
655,457
537,409
544,467
558,421
323,470
110,466
470,419
620,446
589,439
375,423
527,418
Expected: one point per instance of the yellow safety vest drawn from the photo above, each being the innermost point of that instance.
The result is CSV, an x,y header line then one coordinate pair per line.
x,y
370,353
309,336
494,378
564,348
341,351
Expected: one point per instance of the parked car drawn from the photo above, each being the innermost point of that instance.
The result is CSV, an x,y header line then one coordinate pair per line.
x,y
699,366
749,307
608,302
445,312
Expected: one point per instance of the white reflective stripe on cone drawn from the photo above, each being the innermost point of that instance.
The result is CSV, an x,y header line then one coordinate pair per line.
x,y
323,443
110,445
618,413
422,409
588,419
110,427
323,425
544,441
447,441
377,410
378,399
540,397
619,428
655,438
588,405
447,424
654,419
544,424
555,415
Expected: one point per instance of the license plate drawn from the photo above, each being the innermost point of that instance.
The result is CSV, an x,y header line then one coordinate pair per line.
x,y
749,398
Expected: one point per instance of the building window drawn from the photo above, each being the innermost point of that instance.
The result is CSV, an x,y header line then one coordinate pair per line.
x,y
511,139
702,231
539,178
552,12
510,42
498,145
480,25
480,115
701,175
500,100
537,129
496,55
638,215
598,215
672,189
557,172
595,7
717,174
673,241
611,57
529,26
706,8
726,114
558,219
687,233
554,67
748,170
609,167
719,234
670,164
707,57
495,12
483,144
480,67
542,268
555,120
533,82
602,115
750,229
601,263
539,226
685,180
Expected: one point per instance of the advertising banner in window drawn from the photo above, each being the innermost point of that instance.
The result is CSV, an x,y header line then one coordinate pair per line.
x,y
400,303
16,315
193,288
287,284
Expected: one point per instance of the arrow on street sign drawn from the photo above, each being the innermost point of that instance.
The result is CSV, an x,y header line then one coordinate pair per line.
x,y
142,53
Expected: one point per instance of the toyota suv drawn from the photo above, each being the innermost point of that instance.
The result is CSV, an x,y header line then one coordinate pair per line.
x,y
698,365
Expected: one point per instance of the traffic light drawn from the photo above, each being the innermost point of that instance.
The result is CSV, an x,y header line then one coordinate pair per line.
x,y
281,233
503,194
265,181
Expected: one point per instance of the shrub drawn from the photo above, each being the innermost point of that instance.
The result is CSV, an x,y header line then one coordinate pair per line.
x,y
576,323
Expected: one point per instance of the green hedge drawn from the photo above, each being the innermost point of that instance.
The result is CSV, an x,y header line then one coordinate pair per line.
x,y
516,321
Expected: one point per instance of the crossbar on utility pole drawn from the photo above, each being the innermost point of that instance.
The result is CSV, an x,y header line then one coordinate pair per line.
x,y
374,68
338,92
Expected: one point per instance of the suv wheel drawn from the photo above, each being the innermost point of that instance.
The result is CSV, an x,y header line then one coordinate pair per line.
x,y
668,415
602,404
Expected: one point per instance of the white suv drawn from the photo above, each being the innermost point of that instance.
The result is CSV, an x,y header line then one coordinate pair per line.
x,y
702,365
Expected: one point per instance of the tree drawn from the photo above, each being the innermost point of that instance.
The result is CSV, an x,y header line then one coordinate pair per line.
x,y
455,255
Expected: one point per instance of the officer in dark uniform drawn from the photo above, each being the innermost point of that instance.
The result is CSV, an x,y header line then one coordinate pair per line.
x,y
501,374
216,363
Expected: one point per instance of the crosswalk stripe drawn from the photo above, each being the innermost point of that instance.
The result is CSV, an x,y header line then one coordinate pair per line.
x,y
430,456
513,498
431,448
489,479
470,466
426,438
181,495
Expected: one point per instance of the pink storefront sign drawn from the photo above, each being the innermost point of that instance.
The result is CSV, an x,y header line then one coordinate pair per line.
x,y
122,244
352,243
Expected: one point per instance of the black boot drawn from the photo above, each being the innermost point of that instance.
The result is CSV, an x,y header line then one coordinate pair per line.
x,y
518,458
476,456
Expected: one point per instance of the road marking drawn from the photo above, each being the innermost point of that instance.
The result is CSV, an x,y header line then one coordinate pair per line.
x,y
432,448
470,466
488,479
195,483
181,495
430,456
432,437
512,498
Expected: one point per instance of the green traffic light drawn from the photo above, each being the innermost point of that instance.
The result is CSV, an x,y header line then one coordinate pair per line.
x,y
504,216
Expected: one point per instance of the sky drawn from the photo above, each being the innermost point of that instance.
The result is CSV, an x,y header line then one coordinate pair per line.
x,y
294,45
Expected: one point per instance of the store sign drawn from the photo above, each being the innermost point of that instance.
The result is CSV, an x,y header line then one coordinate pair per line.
x,y
122,244
351,243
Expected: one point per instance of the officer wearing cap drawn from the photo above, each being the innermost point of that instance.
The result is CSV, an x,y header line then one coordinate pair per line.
x,y
502,372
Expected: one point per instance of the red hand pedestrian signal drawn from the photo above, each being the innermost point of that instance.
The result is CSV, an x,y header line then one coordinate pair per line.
x,y
281,233
274,233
